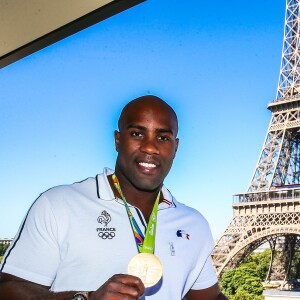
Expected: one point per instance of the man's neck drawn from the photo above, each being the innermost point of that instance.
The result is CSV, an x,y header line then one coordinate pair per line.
x,y
143,200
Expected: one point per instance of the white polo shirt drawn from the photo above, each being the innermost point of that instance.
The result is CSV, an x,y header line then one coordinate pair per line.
x,y
77,236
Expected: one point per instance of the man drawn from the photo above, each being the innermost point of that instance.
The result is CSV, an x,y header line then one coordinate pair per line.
x,y
76,241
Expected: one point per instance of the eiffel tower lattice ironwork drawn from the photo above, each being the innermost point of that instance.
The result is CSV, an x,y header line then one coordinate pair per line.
x,y
270,209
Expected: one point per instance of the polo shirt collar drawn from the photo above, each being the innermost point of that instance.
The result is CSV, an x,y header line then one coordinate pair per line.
x,y
105,192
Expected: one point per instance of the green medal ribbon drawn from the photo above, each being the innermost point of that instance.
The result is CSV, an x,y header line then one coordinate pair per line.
x,y
144,244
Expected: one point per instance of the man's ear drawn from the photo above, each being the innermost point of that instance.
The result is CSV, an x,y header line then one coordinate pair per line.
x,y
176,147
117,139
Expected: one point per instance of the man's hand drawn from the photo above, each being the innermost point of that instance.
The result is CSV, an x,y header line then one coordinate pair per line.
x,y
120,287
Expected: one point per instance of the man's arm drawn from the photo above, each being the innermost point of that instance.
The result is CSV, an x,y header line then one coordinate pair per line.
x,y
12,287
211,293
118,287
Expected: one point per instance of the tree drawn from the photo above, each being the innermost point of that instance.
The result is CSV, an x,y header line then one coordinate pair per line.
x,y
262,261
243,295
243,282
3,248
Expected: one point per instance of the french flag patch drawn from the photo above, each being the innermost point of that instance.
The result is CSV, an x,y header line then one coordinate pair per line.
x,y
182,234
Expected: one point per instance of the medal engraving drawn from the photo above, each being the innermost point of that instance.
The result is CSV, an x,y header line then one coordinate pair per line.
x,y
147,267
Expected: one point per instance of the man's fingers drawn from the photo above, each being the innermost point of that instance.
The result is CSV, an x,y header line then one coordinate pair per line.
x,y
130,281
120,287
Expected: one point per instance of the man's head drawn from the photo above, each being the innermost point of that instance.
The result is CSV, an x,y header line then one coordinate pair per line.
x,y
146,143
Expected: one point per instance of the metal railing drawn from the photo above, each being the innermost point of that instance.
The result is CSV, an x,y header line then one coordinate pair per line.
x,y
280,194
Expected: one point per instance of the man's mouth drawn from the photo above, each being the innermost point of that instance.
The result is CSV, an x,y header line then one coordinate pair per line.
x,y
147,165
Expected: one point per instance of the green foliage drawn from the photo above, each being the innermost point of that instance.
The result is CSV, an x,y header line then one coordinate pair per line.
x,y
227,283
3,248
245,281
243,295
252,285
295,265
262,261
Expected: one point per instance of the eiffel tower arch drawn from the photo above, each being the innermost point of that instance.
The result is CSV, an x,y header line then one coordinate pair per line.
x,y
270,209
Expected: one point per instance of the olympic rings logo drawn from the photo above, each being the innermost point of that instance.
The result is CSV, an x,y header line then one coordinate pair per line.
x,y
106,235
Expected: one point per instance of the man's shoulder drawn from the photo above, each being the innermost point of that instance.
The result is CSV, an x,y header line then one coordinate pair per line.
x,y
188,209
181,208
69,195
189,213
75,187
89,188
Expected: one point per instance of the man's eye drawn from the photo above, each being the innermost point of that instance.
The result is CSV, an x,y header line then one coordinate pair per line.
x,y
163,138
136,134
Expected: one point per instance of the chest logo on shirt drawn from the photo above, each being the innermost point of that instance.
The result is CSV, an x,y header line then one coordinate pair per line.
x,y
104,218
183,234
105,232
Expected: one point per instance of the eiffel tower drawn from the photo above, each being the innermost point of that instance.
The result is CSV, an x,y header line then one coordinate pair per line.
x,y
270,209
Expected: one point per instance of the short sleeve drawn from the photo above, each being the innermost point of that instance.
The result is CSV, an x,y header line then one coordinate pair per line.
x,y
202,275
207,277
34,253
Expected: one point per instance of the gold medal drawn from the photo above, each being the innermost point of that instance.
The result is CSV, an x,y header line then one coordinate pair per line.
x,y
147,267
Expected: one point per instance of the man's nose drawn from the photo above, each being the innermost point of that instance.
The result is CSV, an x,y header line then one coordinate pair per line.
x,y
149,146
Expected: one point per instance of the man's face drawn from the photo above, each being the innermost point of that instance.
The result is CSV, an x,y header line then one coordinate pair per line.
x,y
146,145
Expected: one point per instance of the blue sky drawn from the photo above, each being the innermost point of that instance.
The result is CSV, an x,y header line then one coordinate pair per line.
x,y
216,62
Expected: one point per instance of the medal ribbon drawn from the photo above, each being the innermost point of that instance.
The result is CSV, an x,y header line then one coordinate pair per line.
x,y
144,244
